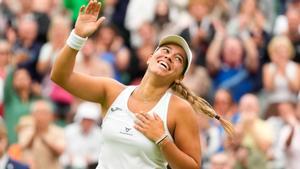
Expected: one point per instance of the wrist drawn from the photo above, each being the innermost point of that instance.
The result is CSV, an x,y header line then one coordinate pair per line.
x,y
75,41
161,139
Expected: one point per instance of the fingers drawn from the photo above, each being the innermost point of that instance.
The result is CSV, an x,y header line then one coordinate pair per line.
x,y
100,20
93,7
97,8
143,117
81,11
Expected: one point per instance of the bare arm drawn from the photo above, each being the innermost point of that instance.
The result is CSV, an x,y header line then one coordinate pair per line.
x,y
86,87
251,60
213,59
185,151
294,83
268,77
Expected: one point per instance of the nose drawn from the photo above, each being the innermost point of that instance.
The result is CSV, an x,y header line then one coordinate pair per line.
x,y
168,57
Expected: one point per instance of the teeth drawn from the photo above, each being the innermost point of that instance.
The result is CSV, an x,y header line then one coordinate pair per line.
x,y
165,65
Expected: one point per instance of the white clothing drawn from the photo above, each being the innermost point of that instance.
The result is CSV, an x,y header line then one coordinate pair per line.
x,y
281,90
3,161
291,153
81,146
124,147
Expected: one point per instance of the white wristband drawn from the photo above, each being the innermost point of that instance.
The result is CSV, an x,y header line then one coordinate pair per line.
x,y
75,42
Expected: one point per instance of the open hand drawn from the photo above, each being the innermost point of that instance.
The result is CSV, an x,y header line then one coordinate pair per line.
x,y
151,126
87,21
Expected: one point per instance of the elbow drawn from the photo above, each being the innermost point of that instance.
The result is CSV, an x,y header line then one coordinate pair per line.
x,y
55,77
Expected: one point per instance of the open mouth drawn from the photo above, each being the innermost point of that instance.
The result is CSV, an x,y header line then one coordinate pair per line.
x,y
164,65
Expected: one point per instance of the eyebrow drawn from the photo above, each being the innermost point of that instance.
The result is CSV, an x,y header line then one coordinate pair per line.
x,y
167,46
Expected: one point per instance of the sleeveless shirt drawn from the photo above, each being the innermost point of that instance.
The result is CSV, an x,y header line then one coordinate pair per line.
x,y
124,147
282,91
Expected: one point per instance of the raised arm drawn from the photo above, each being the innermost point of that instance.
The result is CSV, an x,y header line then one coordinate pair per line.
x,y
89,88
213,59
252,59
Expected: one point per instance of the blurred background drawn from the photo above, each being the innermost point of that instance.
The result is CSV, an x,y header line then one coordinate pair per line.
x,y
246,64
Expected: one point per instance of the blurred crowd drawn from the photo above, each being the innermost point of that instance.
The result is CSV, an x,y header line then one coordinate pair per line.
x,y
246,64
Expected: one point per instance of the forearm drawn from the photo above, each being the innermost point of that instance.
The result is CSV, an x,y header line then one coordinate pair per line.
x,y
213,53
252,61
176,158
293,84
56,149
64,64
268,78
290,138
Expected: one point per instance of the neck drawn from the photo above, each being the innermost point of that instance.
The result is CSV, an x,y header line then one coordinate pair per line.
x,y
150,89
24,95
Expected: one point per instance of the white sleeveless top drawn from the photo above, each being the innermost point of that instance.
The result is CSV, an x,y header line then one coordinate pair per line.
x,y
281,90
123,146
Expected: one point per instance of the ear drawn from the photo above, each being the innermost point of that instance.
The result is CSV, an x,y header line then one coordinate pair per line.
x,y
148,59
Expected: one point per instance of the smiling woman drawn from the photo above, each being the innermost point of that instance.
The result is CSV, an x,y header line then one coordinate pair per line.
x,y
146,126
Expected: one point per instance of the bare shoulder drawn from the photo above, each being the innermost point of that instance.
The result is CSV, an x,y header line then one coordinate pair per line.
x,y
181,110
112,89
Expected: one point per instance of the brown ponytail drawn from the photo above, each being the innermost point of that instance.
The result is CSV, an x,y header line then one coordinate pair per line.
x,y
201,105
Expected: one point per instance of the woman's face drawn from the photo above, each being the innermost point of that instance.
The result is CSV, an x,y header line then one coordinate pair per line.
x,y
168,61
22,80
280,53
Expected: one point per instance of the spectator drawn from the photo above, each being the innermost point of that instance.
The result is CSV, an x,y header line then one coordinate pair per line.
x,y
221,161
46,142
223,103
26,47
289,137
83,138
230,66
5,161
19,93
289,24
60,27
109,46
281,77
255,136
200,31
91,64
210,139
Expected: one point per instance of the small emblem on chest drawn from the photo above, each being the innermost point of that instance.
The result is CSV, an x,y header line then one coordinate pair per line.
x,y
127,131
113,109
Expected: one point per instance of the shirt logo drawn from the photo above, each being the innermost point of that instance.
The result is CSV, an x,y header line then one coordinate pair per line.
x,y
126,131
113,109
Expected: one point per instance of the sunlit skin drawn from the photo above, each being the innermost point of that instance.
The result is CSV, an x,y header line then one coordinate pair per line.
x,y
3,144
173,57
165,66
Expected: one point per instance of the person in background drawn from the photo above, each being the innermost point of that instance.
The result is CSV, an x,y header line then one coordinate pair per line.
x,y
221,161
290,136
83,138
255,137
5,161
281,77
46,142
233,63
19,93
